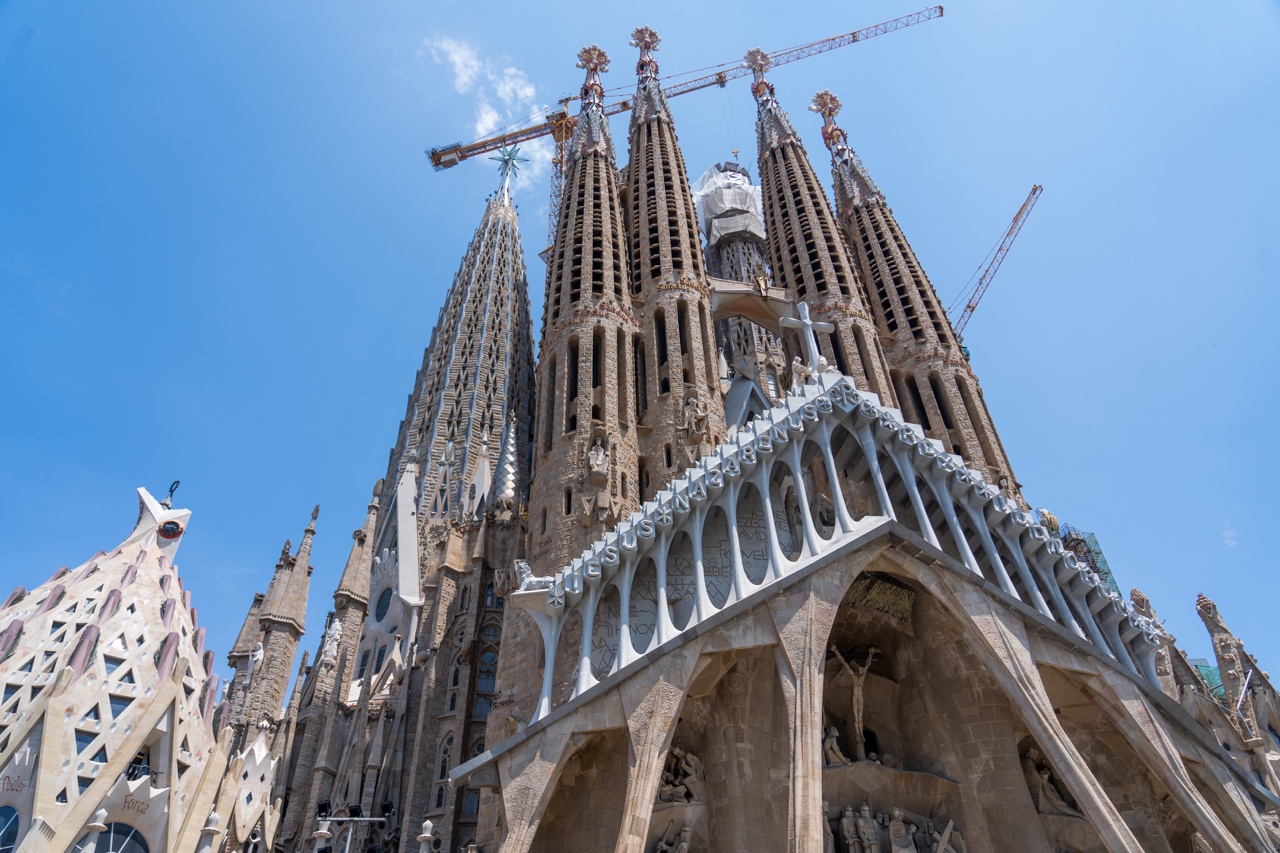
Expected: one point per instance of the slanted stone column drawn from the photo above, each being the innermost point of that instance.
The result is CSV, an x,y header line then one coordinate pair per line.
x,y
1148,734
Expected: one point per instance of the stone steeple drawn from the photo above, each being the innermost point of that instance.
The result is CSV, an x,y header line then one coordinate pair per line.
x,y
807,254
586,449
680,408
282,615
935,385
476,374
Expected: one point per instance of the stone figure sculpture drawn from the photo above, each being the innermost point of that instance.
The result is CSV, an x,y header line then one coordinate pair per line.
x,y
849,829
598,464
682,778
682,843
689,770
901,833
868,831
828,837
831,753
858,675
1044,790
255,660
332,638
800,372
527,578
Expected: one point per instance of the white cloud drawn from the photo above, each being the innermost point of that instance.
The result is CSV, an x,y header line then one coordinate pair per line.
x,y
514,88
487,118
502,97
1229,537
461,57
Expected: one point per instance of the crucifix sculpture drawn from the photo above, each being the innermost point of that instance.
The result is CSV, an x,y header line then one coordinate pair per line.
x,y
808,339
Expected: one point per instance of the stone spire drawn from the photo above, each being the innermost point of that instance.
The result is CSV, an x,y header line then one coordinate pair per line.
x,y
585,474
477,370
282,618
933,381
806,251
353,588
649,101
285,603
679,402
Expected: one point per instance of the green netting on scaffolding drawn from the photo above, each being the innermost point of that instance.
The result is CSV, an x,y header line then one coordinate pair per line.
x,y
1085,546
1213,678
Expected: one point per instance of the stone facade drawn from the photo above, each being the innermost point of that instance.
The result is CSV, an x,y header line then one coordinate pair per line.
x,y
631,607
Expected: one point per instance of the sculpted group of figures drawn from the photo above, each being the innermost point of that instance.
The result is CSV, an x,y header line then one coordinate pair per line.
x,y
682,779
886,832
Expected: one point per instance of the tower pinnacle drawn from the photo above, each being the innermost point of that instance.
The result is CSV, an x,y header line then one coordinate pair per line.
x,y
649,101
591,135
853,183
647,40
773,127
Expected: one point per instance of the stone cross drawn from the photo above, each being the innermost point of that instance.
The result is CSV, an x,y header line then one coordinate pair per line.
x,y
810,326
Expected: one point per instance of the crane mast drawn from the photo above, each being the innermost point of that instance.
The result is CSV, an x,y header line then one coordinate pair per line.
x,y
1003,249
559,124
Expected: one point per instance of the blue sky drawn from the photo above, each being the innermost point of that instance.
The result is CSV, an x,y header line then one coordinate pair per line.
x,y
222,251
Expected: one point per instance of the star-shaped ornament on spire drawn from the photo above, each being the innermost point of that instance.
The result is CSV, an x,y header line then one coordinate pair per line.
x,y
508,161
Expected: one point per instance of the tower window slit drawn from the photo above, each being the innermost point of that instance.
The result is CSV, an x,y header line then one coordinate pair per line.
x,y
917,402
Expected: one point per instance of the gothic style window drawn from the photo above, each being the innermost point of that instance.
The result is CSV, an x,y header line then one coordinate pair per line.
x,y
471,805
382,655
440,798
490,599
384,604
8,829
364,664
116,838
445,749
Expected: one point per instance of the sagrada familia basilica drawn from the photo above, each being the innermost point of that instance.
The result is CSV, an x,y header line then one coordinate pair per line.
x,y
738,563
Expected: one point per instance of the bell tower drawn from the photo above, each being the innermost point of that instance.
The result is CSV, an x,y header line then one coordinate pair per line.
x,y
680,411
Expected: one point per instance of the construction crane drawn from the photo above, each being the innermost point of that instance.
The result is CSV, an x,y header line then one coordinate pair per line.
x,y
559,124
971,297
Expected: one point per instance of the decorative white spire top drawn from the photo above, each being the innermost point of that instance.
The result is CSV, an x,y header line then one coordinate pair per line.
x,y
595,61
650,102
591,135
647,40
854,186
773,128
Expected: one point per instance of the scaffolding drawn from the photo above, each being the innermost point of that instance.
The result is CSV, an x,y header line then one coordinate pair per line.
x,y
1212,677
1085,546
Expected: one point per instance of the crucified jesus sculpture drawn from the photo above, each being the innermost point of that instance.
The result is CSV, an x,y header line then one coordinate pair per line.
x,y
858,675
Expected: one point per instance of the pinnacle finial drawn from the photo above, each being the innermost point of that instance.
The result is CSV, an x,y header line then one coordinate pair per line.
x,y
315,513
508,161
647,40
758,61
593,59
826,104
